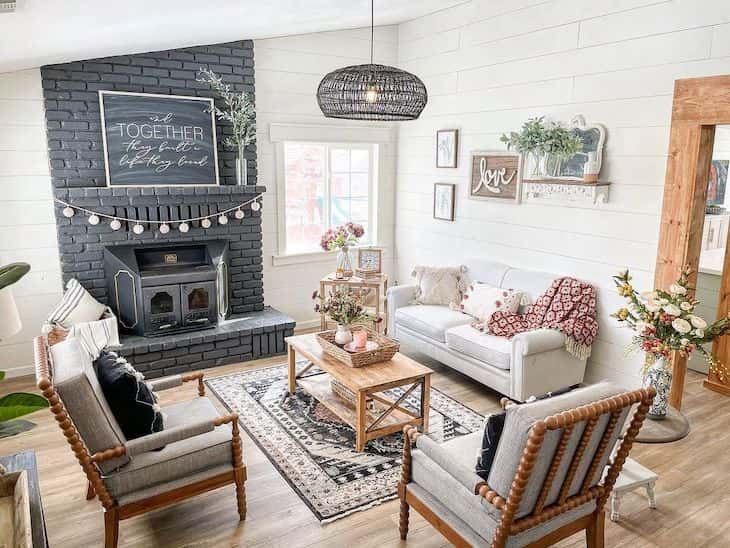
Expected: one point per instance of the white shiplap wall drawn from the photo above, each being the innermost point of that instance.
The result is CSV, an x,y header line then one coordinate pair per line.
x,y
27,225
288,71
490,65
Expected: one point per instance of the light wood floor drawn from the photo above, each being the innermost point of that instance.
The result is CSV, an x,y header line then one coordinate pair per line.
x,y
692,493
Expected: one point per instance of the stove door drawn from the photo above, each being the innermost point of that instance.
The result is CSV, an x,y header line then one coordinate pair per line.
x,y
199,304
162,309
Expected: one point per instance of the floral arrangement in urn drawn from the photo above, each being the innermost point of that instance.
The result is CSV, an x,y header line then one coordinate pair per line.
x,y
343,306
664,322
343,237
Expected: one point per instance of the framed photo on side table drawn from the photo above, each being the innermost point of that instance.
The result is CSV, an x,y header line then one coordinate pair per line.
x,y
369,261
447,147
443,201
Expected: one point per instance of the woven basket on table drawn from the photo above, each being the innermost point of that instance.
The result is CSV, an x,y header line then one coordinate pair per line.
x,y
387,348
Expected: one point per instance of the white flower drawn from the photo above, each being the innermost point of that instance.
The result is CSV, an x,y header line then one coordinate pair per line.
x,y
672,309
641,327
697,322
685,306
651,307
676,289
684,342
700,333
681,326
622,273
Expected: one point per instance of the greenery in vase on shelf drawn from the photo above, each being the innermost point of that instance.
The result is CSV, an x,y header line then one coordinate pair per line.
x,y
664,321
342,305
342,236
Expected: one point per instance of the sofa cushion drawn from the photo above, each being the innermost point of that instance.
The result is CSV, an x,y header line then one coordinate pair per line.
x,y
76,306
430,320
439,285
490,349
75,380
180,459
481,300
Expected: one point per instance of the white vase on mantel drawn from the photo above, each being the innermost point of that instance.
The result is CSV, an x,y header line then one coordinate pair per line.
x,y
343,335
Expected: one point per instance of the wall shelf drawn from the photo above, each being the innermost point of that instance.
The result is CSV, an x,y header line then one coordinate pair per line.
x,y
565,191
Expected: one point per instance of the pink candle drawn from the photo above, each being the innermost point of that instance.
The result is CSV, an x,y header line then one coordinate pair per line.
x,y
361,338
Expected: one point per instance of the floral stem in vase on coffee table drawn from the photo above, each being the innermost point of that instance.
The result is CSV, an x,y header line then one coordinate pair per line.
x,y
344,307
343,238
663,323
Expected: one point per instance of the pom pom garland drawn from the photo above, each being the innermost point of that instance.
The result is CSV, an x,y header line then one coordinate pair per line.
x,y
138,226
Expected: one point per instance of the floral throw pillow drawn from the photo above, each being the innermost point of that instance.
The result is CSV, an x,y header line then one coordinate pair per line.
x,y
481,300
439,285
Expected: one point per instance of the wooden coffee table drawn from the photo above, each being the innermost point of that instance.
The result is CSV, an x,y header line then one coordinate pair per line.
x,y
387,415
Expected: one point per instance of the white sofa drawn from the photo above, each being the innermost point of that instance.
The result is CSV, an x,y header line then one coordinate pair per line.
x,y
529,364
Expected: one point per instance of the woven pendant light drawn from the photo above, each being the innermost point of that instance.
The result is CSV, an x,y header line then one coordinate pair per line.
x,y
371,92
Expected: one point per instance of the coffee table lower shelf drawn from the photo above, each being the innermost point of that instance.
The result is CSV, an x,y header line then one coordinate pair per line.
x,y
318,386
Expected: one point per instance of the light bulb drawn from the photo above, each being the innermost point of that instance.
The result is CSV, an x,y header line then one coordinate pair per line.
x,y
184,227
68,212
138,229
239,214
222,220
371,93
164,228
115,224
205,223
255,206
94,220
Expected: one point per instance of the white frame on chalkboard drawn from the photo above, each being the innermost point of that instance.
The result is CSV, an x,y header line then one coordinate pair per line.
x,y
103,136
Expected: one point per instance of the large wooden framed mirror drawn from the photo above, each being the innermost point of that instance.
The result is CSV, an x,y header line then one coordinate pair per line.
x,y
700,106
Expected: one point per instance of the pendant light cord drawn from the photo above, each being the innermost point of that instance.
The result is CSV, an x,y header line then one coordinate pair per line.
x,y
372,29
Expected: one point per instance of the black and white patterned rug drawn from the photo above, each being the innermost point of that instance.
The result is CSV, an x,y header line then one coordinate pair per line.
x,y
314,450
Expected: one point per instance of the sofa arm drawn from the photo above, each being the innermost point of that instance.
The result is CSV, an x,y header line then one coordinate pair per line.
x,y
468,478
397,297
537,341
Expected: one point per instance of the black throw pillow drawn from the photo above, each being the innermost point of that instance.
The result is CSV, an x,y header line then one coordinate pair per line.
x,y
130,399
493,431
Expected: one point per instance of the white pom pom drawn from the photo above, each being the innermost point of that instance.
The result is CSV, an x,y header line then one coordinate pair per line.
x,y
139,376
138,229
164,228
116,224
205,223
239,214
68,211
255,206
222,220
184,227
156,407
94,220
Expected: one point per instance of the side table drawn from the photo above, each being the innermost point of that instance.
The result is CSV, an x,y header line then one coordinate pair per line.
x,y
27,461
375,287
633,476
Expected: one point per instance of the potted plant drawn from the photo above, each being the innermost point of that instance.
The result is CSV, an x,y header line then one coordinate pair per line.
x,y
664,322
240,111
529,141
17,404
343,238
344,307
559,145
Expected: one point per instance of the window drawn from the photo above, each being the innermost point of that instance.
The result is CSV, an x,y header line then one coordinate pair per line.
x,y
325,185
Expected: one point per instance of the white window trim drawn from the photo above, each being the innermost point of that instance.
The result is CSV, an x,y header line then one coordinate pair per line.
x,y
279,134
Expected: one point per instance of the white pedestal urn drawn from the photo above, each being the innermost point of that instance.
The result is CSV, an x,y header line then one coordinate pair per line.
x,y
659,375
343,335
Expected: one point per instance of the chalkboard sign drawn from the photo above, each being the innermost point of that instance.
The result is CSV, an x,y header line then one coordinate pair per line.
x,y
158,140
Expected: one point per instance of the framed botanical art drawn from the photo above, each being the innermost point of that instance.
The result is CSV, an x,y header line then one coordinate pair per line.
x,y
443,201
495,175
447,147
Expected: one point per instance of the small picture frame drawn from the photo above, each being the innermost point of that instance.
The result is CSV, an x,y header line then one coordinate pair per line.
x,y
447,148
370,259
443,201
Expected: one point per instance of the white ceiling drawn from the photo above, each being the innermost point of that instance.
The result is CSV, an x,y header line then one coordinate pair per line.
x,y
40,32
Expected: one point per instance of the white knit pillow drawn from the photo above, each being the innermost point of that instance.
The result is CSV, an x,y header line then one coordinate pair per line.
x,y
439,285
76,306
98,335
481,300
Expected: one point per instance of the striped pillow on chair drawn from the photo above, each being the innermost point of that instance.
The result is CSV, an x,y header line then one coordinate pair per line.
x,y
76,306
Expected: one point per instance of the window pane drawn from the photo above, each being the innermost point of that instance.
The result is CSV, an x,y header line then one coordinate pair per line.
x,y
340,159
360,161
305,166
340,210
359,210
340,185
359,185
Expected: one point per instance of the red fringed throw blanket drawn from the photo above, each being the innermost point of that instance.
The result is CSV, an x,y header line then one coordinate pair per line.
x,y
569,306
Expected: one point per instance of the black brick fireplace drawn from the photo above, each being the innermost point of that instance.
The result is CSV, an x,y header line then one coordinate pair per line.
x,y
242,329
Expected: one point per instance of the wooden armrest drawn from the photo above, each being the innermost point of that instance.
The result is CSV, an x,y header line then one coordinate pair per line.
x,y
490,495
109,454
195,376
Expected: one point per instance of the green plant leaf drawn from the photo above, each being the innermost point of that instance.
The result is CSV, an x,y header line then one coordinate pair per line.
x,y
12,273
2,375
18,404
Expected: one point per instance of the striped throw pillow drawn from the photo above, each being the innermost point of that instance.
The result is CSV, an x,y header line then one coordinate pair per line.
x,y
98,335
76,306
